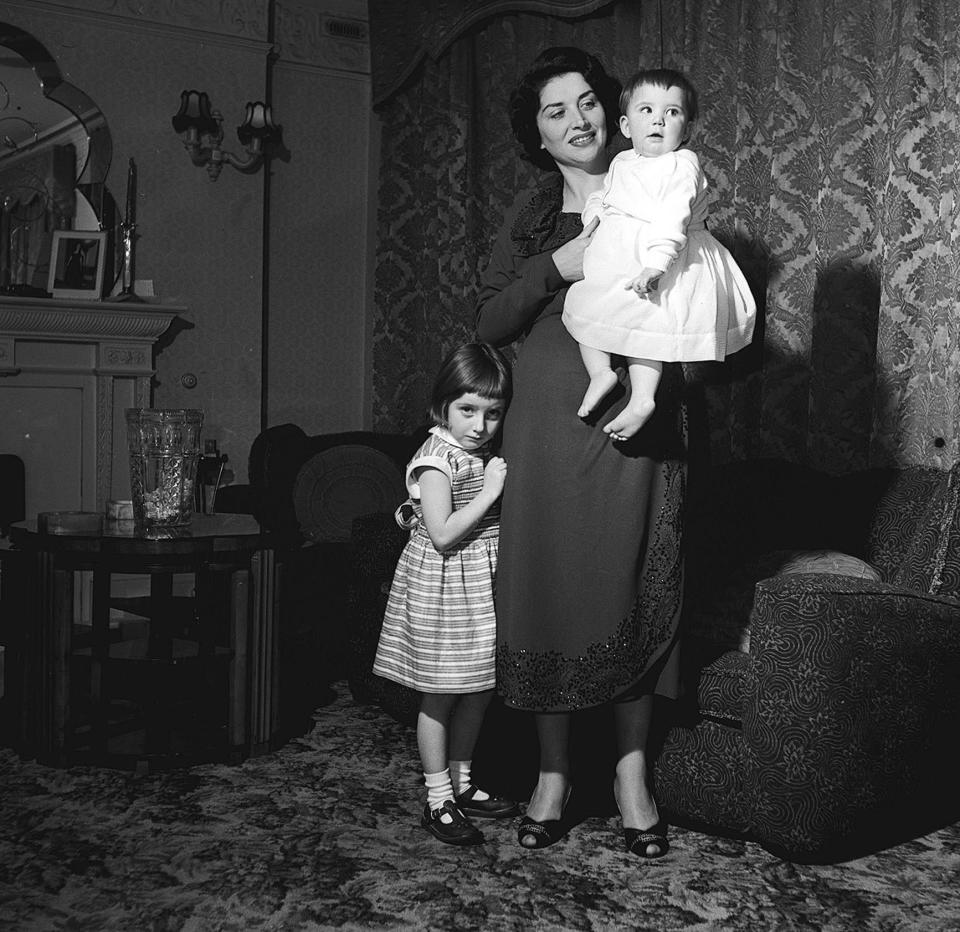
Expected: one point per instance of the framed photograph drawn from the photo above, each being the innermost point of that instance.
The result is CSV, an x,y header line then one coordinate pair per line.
x,y
76,264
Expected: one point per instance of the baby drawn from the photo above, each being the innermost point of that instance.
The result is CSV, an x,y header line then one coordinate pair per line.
x,y
657,286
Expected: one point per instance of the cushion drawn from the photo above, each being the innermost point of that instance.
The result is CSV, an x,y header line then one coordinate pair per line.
x,y
339,484
718,610
829,561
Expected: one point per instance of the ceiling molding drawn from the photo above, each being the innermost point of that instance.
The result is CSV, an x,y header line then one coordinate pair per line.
x,y
167,27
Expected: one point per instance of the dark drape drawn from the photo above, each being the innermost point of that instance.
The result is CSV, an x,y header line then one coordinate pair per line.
x,y
401,34
449,169
829,134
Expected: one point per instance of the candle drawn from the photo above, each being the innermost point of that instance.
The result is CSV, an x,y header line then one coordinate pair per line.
x,y
131,213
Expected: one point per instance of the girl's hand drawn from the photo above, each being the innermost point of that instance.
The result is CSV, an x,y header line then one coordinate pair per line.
x,y
645,283
569,257
494,476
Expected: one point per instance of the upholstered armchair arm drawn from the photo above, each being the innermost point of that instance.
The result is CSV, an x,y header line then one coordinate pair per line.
x,y
852,695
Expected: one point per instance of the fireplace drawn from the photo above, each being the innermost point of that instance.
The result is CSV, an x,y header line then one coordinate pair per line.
x,y
68,369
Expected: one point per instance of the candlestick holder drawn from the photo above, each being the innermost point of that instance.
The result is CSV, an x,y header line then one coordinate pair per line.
x,y
128,242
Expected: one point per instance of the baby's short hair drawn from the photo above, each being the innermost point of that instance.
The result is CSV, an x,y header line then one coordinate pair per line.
x,y
665,78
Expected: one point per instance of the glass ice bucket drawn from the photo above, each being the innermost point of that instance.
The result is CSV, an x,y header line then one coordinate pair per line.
x,y
164,448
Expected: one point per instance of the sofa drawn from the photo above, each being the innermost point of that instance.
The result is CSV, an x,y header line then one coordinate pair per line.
x,y
821,658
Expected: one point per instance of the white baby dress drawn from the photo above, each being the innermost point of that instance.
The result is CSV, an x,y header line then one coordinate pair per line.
x,y
652,213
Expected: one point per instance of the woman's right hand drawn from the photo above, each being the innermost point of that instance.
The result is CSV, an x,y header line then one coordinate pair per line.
x,y
494,476
569,257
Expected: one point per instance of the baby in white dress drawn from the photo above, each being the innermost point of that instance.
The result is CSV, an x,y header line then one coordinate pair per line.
x,y
657,286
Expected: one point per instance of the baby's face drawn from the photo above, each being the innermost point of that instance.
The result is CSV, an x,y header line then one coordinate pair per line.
x,y
655,121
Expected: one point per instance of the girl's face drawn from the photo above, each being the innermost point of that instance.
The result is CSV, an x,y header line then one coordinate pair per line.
x,y
655,121
472,420
573,128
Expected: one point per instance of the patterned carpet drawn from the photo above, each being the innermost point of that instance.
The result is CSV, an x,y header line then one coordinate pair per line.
x,y
323,834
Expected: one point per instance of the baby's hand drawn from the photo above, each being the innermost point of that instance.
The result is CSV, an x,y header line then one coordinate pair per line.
x,y
645,283
494,475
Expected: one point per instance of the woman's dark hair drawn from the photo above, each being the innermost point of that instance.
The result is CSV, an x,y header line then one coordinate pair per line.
x,y
525,99
474,368
665,78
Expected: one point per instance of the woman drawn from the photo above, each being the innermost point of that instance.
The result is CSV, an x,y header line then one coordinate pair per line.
x,y
589,580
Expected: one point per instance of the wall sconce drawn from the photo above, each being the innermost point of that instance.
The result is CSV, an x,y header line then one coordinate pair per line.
x,y
202,133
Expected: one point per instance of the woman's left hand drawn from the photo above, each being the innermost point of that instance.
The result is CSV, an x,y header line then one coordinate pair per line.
x,y
568,258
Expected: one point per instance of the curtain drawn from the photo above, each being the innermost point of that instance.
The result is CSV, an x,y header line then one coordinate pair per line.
x,y
449,170
402,33
828,132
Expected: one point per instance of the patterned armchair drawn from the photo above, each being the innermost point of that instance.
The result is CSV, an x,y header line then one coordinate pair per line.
x,y
821,706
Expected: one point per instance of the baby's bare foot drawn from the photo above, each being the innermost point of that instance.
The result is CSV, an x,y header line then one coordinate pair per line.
x,y
630,419
600,384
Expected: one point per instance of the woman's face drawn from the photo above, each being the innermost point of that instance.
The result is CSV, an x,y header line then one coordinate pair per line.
x,y
573,128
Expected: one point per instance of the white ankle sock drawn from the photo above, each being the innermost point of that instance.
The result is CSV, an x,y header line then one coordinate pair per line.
x,y
439,788
460,775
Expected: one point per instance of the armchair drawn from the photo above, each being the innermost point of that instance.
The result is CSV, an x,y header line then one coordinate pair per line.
x,y
822,705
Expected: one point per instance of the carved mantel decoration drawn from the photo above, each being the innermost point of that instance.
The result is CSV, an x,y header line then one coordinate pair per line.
x,y
101,355
71,320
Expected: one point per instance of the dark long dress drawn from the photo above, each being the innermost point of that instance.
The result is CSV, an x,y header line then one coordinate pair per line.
x,y
590,574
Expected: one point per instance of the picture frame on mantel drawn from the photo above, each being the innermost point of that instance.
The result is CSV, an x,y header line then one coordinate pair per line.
x,y
77,259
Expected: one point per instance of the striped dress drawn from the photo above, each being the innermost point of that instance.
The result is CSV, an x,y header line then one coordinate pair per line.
x,y
439,630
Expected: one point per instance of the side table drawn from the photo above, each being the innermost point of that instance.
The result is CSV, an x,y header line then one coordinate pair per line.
x,y
205,667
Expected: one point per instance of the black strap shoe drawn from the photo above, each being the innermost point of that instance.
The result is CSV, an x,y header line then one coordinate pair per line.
x,y
457,830
496,807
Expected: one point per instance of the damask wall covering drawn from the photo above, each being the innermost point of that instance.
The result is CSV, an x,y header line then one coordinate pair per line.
x,y
829,132
201,242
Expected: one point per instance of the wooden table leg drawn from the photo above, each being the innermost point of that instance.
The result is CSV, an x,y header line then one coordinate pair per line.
x,y
52,659
263,677
99,656
239,692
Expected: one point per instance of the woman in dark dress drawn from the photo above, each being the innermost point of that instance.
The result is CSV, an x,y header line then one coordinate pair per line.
x,y
590,573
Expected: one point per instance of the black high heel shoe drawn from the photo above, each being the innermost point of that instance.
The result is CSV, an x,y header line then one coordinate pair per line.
x,y
638,840
544,833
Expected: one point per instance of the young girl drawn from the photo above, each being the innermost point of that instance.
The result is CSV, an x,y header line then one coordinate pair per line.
x,y
439,631
657,287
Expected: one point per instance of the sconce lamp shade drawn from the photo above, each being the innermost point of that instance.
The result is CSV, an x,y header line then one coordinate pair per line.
x,y
258,124
201,132
195,113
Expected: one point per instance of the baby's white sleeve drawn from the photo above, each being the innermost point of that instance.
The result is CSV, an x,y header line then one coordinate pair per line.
x,y
593,207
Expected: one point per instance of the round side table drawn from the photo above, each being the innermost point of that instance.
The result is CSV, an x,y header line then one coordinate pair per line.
x,y
191,679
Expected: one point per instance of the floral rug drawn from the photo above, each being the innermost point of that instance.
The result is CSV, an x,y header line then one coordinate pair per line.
x,y
324,834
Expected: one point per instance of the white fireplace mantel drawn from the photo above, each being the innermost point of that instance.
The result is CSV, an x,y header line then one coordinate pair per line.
x,y
108,321
68,369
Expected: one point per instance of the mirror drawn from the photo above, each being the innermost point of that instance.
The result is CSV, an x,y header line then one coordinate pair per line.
x,y
55,151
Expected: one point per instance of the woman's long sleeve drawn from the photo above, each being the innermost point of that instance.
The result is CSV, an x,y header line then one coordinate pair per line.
x,y
513,291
